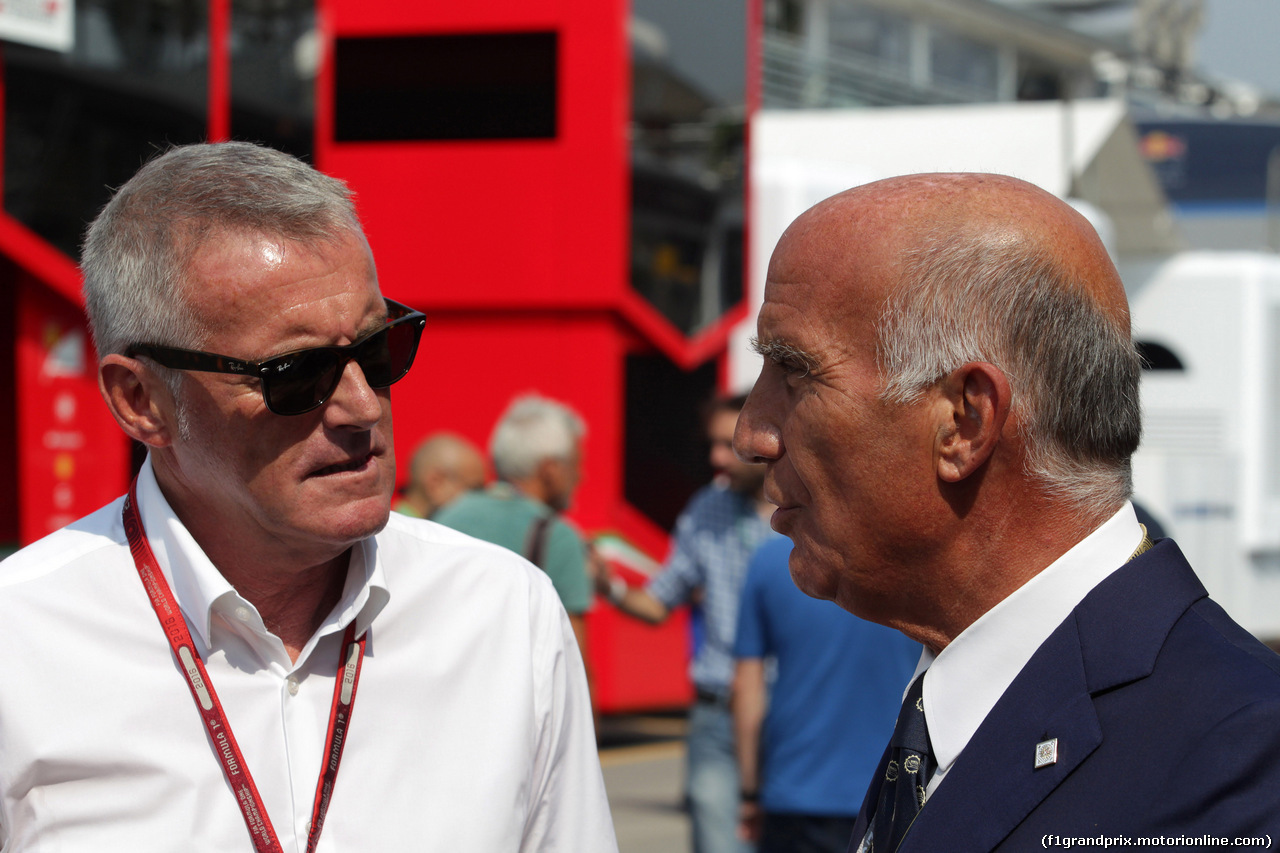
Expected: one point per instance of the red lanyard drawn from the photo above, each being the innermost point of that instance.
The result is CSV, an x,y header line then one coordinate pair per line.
x,y
219,730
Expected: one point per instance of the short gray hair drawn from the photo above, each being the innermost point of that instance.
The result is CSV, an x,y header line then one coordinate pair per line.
x,y
533,429
1073,371
137,250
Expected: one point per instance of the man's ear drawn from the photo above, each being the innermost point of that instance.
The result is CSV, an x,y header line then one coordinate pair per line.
x,y
550,475
138,399
976,401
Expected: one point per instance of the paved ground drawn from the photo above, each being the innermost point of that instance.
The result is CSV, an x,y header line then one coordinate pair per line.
x,y
643,761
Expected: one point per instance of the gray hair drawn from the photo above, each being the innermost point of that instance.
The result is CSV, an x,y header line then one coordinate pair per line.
x,y
137,250
1072,370
533,429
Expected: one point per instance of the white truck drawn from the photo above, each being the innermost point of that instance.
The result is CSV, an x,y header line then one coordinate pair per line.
x,y
1209,465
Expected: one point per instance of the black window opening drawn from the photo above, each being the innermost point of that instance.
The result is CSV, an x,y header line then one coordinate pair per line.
x,y
80,123
665,456
73,130
10,499
688,155
446,87
1158,356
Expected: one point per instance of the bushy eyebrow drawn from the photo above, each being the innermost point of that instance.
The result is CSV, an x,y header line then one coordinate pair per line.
x,y
373,325
781,352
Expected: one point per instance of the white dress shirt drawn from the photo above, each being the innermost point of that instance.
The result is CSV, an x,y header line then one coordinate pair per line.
x,y
471,730
967,679
971,674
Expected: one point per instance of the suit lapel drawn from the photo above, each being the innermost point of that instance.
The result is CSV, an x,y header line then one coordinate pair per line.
x,y
868,803
1112,638
994,783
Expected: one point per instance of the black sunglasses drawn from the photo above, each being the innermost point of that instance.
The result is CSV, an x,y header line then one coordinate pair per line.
x,y
297,382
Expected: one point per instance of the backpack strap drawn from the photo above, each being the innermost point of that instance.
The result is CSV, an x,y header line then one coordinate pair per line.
x,y
535,541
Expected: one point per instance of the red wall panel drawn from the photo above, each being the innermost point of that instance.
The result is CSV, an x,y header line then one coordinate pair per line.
x,y
517,250
72,457
502,223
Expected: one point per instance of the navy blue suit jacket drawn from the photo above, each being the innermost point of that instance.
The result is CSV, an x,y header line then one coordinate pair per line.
x,y
1167,715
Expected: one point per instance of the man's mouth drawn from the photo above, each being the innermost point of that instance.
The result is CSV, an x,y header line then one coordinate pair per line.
x,y
344,467
773,496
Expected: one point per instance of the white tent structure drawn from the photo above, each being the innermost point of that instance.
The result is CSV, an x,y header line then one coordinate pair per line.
x,y
1086,151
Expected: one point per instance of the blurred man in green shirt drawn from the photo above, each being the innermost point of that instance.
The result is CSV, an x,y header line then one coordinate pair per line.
x,y
536,450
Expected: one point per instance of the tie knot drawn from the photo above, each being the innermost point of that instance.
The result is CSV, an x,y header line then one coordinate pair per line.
x,y
911,732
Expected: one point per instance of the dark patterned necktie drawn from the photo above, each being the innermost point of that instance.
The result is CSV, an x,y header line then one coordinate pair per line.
x,y
910,766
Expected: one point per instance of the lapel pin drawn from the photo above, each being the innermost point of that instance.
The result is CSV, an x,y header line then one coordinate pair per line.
x,y
1046,753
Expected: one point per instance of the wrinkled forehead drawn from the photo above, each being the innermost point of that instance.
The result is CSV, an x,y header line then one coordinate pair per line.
x,y
256,283
837,262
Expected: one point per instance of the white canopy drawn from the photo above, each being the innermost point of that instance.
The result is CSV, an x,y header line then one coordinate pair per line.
x,y
1075,149
1085,151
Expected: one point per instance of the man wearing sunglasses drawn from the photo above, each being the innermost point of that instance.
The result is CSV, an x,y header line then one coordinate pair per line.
x,y
193,652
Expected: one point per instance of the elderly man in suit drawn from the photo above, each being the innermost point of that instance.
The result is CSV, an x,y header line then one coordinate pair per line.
x,y
947,409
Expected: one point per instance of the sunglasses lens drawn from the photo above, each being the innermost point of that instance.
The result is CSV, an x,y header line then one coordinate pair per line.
x,y
302,382
387,356
374,358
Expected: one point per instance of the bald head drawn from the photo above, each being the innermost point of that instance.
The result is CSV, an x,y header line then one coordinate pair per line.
x,y
444,466
890,222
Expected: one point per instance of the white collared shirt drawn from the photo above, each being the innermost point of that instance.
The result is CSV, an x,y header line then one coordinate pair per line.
x,y
471,730
971,674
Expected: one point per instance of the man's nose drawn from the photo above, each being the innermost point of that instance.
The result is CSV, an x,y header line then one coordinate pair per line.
x,y
757,437
354,402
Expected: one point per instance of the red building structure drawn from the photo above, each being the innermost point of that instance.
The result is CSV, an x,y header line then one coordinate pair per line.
x,y
565,207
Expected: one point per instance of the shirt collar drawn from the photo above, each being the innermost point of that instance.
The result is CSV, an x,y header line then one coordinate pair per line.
x,y
366,591
202,591
504,490
971,674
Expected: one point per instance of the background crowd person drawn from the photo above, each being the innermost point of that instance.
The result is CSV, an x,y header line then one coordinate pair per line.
x,y
714,539
834,691
536,450
443,467
254,560
948,409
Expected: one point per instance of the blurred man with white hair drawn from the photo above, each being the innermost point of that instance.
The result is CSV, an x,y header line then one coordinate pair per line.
x,y
536,450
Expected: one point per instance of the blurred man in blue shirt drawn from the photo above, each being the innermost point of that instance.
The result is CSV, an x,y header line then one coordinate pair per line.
x,y
839,682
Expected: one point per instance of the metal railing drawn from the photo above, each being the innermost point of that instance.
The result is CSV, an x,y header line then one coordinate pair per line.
x,y
793,78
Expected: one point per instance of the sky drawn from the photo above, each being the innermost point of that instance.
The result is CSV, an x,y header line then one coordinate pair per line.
x,y
1241,39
